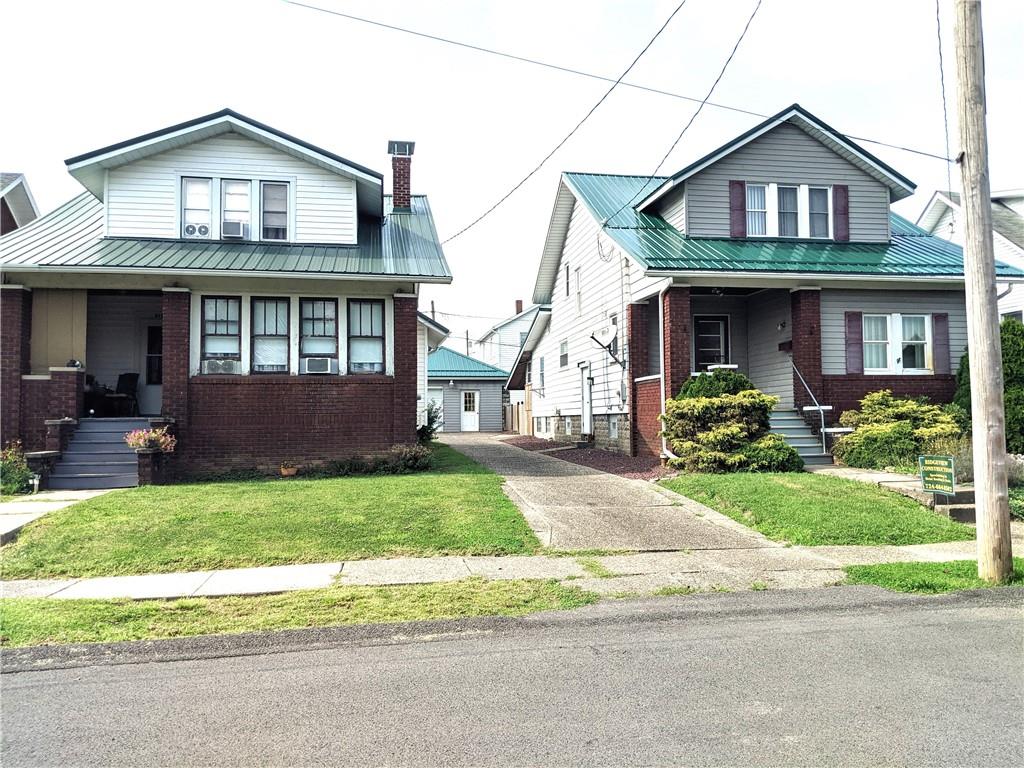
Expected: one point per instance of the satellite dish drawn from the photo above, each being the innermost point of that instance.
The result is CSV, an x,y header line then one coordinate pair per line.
x,y
605,336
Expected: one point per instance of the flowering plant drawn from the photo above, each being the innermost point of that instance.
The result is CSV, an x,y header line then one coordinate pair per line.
x,y
159,438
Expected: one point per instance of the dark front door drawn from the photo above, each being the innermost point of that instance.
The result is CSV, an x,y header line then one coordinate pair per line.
x,y
711,341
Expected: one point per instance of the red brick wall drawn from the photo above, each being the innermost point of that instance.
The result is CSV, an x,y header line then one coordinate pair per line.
x,y
637,360
401,170
176,356
646,424
806,318
843,393
405,369
676,335
58,397
15,337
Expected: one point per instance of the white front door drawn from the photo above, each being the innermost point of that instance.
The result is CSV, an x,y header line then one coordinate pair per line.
x,y
470,411
151,379
435,397
587,419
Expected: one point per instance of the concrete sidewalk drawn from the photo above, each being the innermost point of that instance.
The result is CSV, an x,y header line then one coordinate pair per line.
x,y
22,510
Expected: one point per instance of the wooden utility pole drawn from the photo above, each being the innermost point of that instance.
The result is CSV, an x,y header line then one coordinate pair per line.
x,y
467,341
988,421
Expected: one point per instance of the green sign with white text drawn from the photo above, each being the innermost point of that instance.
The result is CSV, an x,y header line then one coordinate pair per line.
x,y
937,475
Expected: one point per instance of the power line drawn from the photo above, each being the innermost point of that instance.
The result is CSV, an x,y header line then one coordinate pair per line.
x,y
582,73
693,117
571,133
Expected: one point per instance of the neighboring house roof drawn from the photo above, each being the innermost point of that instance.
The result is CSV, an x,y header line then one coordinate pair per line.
x,y
517,376
436,333
446,363
662,250
90,168
899,185
15,192
70,239
525,313
1006,222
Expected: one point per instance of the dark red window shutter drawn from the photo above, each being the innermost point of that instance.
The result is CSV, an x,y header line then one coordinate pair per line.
x,y
940,343
841,212
737,209
854,342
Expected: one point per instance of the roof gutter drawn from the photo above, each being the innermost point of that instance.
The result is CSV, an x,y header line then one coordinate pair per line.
x,y
824,277
71,269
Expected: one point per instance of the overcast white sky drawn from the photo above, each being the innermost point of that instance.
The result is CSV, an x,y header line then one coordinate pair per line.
x,y
84,75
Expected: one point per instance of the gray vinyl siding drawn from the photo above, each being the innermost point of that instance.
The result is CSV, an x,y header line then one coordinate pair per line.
x,y
836,303
785,155
674,209
735,308
490,403
770,369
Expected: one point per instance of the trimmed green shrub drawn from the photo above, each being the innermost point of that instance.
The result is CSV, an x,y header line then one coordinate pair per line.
x,y
722,381
960,416
1011,335
876,446
399,460
726,433
15,475
428,430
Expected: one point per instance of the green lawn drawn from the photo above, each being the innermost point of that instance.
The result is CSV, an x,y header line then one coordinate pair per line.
x,y
456,508
927,577
817,510
25,621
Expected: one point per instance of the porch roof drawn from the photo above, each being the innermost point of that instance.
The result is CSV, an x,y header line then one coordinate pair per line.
x,y
70,239
659,247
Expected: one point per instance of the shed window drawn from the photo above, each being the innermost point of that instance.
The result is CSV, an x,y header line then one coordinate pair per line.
x,y
222,328
757,210
274,202
318,331
270,335
195,208
365,336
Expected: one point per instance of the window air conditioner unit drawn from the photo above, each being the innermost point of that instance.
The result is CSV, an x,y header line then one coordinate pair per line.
x,y
234,229
222,366
197,232
318,365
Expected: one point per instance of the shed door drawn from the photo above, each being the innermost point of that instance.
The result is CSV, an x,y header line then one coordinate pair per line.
x,y
470,411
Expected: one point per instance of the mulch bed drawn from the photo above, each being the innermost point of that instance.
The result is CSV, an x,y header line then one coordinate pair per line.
x,y
530,443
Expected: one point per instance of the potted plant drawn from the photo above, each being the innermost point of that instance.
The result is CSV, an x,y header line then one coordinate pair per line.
x,y
288,469
153,440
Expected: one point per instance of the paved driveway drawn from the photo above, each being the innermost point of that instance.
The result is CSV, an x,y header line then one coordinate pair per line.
x,y
574,507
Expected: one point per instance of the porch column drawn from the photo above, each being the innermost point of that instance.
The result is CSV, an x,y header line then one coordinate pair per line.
x,y
176,310
15,350
404,414
637,361
805,307
676,339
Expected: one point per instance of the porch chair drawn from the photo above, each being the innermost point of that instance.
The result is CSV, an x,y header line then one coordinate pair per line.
x,y
125,398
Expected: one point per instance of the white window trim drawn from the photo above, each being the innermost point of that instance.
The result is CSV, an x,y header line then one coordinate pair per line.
x,y
579,291
564,343
894,326
289,213
771,197
255,202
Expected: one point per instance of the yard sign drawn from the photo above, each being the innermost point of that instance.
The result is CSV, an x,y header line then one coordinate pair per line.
x,y
937,475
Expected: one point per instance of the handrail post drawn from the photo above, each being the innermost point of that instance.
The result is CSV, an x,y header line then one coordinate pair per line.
x,y
817,405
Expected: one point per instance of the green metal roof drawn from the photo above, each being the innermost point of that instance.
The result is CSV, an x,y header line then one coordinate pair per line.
x,y
71,239
444,363
658,246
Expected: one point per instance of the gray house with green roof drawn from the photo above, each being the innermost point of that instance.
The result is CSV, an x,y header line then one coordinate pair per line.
x,y
777,254
468,391
254,291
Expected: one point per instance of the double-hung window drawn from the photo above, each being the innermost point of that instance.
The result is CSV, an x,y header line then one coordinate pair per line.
x,y
270,333
365,336
235,205
818,198
563,354
579,292
541,374
196,214
789,211
613,345
897,343
529,373
318,328
222,328
757,210
274,210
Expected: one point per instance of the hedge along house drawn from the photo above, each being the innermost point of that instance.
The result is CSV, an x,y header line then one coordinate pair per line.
x,y
254,290
468,391
776,254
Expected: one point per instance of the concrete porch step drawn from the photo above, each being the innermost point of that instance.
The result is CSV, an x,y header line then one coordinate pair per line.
x,y
963,513
111,425
816,458
93,480
79,448
115,466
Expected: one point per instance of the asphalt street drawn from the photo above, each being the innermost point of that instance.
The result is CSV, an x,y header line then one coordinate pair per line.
x,y
844,676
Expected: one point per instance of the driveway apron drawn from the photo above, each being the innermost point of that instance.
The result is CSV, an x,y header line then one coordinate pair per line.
x,y
574,507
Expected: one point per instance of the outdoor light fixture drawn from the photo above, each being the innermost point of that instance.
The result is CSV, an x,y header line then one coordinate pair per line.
x,y
781,326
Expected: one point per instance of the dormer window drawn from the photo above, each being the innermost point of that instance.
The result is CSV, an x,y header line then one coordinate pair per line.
x,y
274,196
195,208
757,210
782,210
236,209
819,217
789,212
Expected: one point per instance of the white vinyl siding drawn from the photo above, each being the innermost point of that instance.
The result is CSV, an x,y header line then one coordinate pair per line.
x,y
835,303
785,155
673,211
768,367
422,351
500,348
607,288
143,198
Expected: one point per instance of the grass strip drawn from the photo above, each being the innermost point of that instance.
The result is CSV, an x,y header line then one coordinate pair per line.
x,y
928,578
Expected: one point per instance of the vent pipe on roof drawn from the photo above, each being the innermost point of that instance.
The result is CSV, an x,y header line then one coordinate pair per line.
x,y
401,171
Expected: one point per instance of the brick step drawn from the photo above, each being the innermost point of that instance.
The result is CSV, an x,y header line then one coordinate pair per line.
x,y
92,481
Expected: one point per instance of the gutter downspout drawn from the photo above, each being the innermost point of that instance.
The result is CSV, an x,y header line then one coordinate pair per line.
x,y
665,452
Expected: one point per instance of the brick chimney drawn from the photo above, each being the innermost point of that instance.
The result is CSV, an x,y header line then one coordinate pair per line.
x,y
519,306
401,167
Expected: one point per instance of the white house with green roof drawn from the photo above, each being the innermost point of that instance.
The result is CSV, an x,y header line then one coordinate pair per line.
x,y
255,291
468,391
776,254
